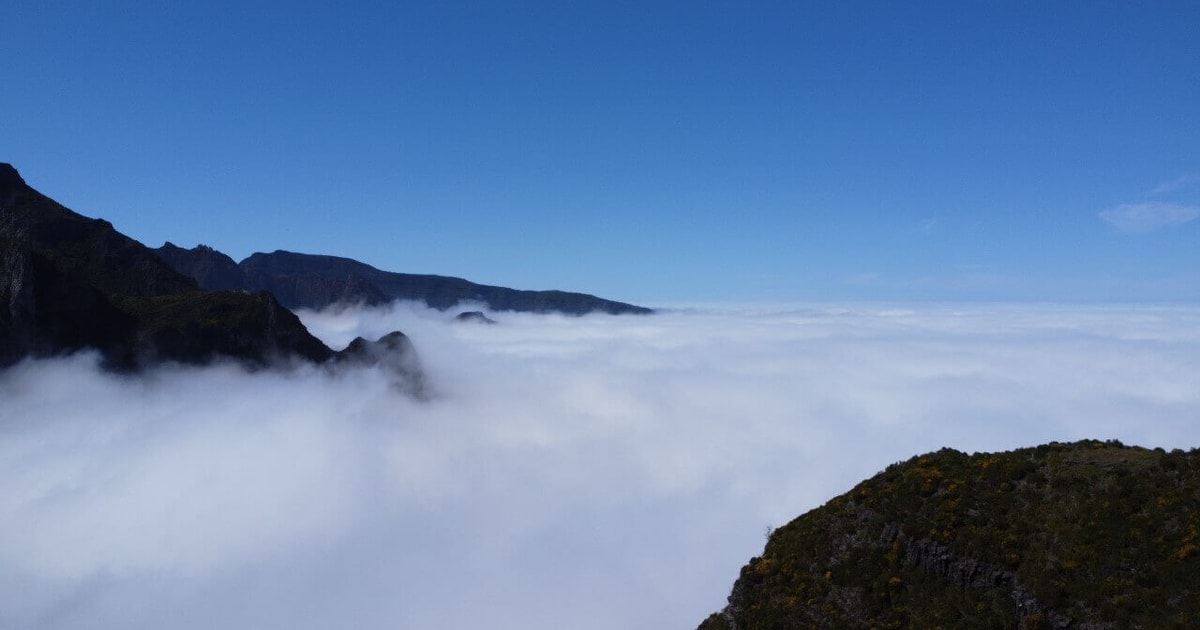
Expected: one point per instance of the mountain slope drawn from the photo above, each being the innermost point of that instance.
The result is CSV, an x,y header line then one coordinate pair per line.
x,y
315,281
1084,535
70,283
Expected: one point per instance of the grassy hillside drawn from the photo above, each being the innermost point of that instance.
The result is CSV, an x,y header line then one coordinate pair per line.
x,y
1084,535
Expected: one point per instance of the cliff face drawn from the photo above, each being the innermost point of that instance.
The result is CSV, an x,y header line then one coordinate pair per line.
x,y
1084,536
69,283
313,281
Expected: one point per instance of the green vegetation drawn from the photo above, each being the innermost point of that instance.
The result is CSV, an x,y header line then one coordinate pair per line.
x,y
198,326
1085,535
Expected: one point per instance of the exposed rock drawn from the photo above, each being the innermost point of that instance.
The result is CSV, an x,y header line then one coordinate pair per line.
x,y
474,317
393,352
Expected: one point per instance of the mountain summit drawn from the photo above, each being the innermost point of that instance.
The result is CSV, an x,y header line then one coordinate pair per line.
x,y
10,179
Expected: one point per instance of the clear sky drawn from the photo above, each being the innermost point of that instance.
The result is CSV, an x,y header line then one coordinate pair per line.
x,y
652,152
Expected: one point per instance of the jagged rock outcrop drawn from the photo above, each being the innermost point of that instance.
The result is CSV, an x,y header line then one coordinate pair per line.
x,y
70,283
393,352
474,317
315,282
1085,536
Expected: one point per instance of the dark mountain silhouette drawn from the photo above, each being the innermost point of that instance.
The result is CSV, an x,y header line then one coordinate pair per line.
x,y
1087,535
314,281
70,283
309,288
213,270
393,351
474,317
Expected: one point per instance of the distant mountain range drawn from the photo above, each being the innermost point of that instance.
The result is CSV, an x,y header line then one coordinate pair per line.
x,y
1084,536
70,283
314,282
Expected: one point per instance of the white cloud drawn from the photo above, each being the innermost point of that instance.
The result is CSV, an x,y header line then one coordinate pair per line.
x,y
1139,218
590,472
1173,185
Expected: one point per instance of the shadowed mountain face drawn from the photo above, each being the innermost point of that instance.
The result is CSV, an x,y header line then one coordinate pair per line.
x,y
312,287
313,281
393,352
213,270
1085,536
70,283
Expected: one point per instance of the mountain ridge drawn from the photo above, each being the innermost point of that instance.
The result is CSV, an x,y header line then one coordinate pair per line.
x,y
70,283
315,281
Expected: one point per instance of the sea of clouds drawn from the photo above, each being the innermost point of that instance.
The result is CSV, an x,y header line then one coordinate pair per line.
x,y
566,472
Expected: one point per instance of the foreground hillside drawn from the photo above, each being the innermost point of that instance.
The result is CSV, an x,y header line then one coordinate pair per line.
x,y
1084,535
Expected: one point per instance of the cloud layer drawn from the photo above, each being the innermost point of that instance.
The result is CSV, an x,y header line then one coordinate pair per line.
x,y
1138,218
591,472
1182,182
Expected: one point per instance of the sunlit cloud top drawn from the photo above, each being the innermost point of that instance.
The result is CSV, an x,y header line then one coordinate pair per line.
x,y
590,473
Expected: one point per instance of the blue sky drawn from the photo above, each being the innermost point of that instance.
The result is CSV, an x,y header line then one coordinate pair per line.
x,y
675,152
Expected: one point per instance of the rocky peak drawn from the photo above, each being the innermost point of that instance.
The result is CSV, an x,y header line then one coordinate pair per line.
x,y
12,186
474,317
394,353
10,179
212,269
